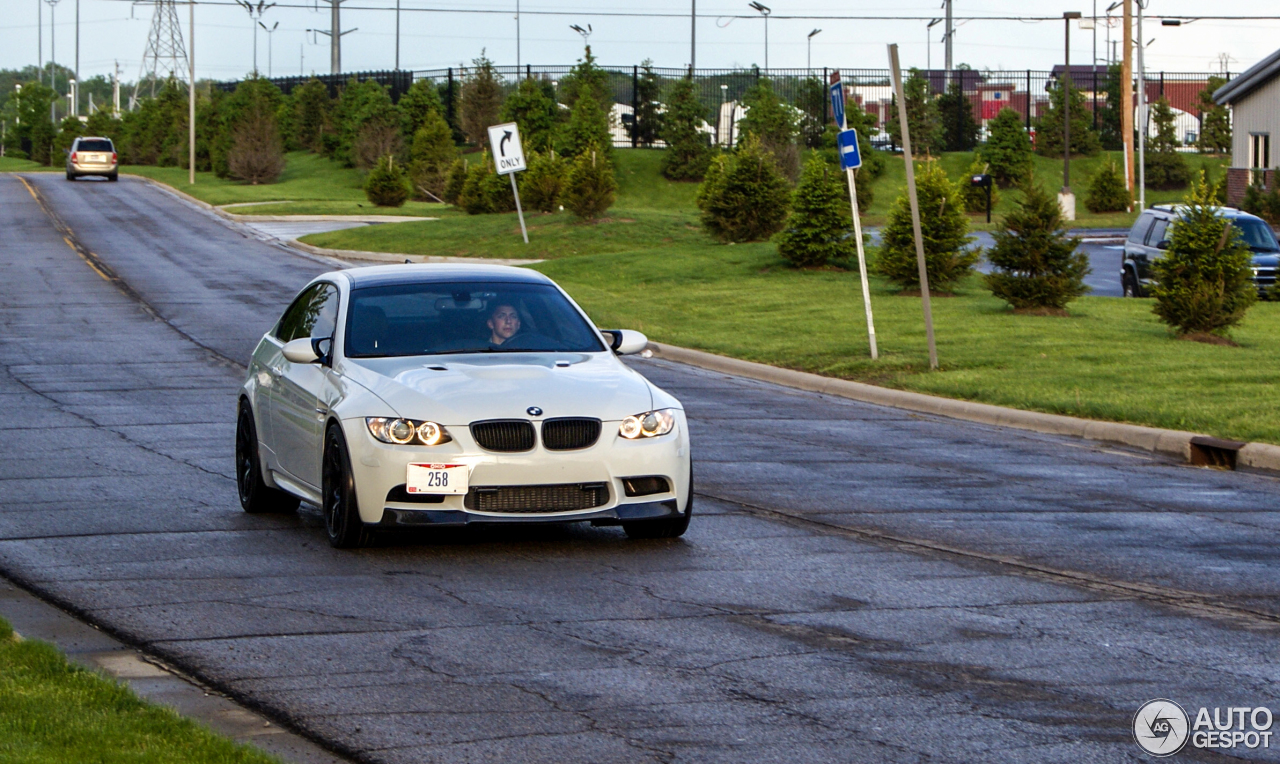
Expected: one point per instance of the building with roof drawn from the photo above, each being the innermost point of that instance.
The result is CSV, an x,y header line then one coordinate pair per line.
x,y
1254,98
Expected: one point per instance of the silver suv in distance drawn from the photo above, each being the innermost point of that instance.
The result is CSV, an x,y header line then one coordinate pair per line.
x,y
91,156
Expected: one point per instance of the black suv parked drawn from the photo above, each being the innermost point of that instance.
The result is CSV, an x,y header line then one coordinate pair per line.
x,y
1149,238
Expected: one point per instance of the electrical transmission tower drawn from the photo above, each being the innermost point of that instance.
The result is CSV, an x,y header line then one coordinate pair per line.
x,y
166,56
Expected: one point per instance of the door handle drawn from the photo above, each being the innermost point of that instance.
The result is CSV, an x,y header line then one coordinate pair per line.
x,y
277,370
322,411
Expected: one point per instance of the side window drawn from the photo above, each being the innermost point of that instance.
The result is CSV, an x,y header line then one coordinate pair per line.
x,y
1156,235
1140,228
313,314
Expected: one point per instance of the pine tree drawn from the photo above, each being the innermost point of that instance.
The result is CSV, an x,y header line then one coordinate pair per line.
x,y
457,178
586,74
481,100
1008,149
688,152
1084,139
363,109
1204,281
1037,267
589,189
744,197
484,191
533,107
312,118
648,119
811,100
1110,129
1215,121
419,101
544,182
922,117
818,230
387,185
430,157
587,129
959,129
1165,168
975,197
773,124
945,232
1107,192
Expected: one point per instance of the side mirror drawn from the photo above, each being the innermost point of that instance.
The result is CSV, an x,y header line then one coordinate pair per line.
x,y
626,341
1163,245
301,351
323,347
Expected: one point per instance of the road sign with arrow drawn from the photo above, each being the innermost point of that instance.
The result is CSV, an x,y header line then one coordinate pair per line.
x,y
508,154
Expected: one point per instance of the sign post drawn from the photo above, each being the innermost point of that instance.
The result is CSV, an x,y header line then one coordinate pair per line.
x,y
508,159
850,160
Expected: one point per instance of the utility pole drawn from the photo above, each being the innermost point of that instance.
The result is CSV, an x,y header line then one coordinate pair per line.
x,y
191,93
115,91
517,34
1142,116
1066,199
693,36
40,40
951,31
398,38
75,106
1126,94
335,34
53,47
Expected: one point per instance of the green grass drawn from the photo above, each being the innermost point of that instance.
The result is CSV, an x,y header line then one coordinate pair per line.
x,y
52,712
307,177
410,209
9,164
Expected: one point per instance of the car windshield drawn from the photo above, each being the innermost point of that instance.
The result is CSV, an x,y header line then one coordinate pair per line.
x,y
1257,235
98,145
471,317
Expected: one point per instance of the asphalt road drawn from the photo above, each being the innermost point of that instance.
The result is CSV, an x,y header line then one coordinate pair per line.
x,y
859,583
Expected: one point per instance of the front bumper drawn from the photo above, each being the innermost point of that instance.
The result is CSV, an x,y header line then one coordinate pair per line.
x,y
380,470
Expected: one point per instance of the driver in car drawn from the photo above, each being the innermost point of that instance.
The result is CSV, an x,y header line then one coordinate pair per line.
x,y
504,323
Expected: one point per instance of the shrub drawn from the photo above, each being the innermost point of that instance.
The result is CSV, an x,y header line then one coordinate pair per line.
x,y
1084,139
533,107
587,129
387,184
818,231
257,153
688,152
1165,168
922,117
485,191
975,197
744,197
457,177
1204,282
1036,263
944,227
774,125
1107,192
430,158
544,182
1265,204
481,101
589,189
1008,149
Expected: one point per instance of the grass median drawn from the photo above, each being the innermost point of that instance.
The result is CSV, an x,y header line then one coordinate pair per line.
x,y
52,712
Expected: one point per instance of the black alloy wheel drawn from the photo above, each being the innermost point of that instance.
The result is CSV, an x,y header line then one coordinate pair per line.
x,y
341,512
255,496
666,528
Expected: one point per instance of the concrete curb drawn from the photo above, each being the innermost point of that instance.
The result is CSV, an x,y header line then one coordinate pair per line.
x,y
322,218
1175,443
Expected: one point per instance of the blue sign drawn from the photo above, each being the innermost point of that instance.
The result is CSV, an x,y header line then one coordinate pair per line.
x,y
850,157
837,103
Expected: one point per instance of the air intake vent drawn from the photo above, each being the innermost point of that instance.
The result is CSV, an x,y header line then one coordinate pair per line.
x,y
568,434
645,486
508,435
532,499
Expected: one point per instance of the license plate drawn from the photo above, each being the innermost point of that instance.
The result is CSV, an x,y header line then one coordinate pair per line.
x,y
437,478
95,158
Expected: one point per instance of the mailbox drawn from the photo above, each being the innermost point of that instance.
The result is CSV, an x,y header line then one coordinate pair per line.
x,y
981,181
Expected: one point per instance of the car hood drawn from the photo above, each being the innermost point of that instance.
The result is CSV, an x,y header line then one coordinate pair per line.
x,y
460,389
1266,259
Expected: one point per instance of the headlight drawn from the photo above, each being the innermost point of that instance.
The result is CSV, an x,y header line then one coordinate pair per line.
x,y
650,424
404,432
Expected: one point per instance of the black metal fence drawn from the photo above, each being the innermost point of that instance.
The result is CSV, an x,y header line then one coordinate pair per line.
x,y
395,81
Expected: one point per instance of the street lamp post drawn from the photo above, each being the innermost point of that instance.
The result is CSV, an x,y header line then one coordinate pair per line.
x,y
764,10
928,46
53,49
1067,198
271,30
1142,114
255,15
586,33
808,56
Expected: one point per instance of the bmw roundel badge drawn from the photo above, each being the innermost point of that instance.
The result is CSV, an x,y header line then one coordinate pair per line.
x,y
533,411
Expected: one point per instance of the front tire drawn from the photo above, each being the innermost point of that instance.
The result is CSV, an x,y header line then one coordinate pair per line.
x,y
256,497
341,510
1130,284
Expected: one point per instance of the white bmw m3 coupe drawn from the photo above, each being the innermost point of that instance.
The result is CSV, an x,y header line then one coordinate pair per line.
x,y
411,396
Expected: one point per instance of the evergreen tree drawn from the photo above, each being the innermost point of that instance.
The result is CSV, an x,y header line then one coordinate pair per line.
x,y
975,197
387,185
544,182
419,101
773,124
587,128
457,178
256,151
648,119
589,190
1008,149
1111,132
811,100
1215,121
430,157
1036,265
688,152
1165,168
587,74
484,191
922,117
1084,139
312,119
744,197
481,101
69,129
1204,281
363,109
1107,192
533,108
818,230
959,129
945,233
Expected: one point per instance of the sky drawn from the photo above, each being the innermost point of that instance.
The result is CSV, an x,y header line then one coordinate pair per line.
x,y
116,31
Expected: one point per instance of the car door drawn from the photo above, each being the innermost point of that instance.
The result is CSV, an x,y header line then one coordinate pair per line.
x,y
303,391
1151,248
1133,246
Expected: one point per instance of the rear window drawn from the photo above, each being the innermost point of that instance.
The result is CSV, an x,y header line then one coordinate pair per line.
x,y
95,145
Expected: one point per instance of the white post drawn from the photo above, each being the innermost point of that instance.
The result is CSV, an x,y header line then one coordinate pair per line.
x,y
523,231
1142,117
191,97
862,265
